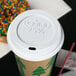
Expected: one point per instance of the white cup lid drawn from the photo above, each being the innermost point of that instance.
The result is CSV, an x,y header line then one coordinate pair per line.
x,y
35,35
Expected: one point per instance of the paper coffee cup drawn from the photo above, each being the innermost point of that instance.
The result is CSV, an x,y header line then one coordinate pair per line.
x,y
35,37
35,68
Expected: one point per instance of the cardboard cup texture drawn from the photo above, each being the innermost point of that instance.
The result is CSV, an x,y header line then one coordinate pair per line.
x,y
35,68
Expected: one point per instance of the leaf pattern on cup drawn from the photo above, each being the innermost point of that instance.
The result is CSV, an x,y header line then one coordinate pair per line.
x,y
40,70
50,63
21,66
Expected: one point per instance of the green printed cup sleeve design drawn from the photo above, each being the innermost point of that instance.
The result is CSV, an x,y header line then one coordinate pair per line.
x,y
40,70
21,66
50,63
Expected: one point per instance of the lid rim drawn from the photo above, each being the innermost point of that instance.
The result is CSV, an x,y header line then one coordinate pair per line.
x,y
40,58
14,46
